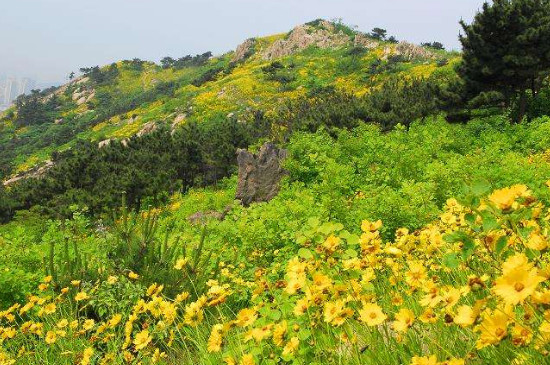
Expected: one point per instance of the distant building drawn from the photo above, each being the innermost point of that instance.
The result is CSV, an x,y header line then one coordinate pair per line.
x,y
11,88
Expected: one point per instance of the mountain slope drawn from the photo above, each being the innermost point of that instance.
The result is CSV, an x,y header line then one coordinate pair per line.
x,y
131,97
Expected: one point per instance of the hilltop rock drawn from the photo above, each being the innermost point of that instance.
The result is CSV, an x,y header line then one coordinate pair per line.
x,y
35,172
244,50
259,175
362,40
304,36
413,52
105,142
147,128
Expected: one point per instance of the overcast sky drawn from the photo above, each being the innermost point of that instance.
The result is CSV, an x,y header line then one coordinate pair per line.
x,y
47,39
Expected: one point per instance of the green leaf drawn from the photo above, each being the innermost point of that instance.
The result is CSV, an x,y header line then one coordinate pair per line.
x,y
481,187
501,244
305,253
451,260
304,334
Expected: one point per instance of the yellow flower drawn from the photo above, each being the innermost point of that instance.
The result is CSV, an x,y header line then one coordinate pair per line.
x,y
505,198
49,308
424,360
181,297
536,242
492,328
62,323
336,312
519,280
368,226
47,279
180,264
75,282
372,314
291,346
331,243
133,275
142,339
51,337
81,296
279,332
115,320
247,359
215,340
403,320
246,317
87,356
112,279
465,316
88,324
521,335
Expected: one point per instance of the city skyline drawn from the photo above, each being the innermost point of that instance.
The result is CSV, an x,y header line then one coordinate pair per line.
x,y
11,87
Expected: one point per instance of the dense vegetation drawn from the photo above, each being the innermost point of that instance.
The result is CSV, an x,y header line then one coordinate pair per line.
x,y
398,236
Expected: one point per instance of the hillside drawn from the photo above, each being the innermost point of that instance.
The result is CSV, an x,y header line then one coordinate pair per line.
x,y
317,197
133,97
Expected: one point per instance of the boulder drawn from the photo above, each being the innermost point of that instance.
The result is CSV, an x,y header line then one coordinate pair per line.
x,y
362,40
413,52
35,172
259,175
304,36
147,128
244,50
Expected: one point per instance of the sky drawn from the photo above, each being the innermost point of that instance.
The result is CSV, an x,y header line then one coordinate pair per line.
x,y
47,39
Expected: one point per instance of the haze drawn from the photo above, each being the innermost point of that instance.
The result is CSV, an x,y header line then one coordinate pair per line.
x,y
47,39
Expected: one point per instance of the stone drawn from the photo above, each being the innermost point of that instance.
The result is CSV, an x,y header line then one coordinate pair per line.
x,y
81,101
147,128
259,175
35,172
362,40
104,143
304,36
244,50
413,52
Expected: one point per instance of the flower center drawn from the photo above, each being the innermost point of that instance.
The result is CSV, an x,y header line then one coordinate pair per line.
x,y
373,315
519,287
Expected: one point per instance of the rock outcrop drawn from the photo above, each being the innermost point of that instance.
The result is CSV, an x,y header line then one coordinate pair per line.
x,y
304,36
362,40
411,52
147,128
35,172
259,175
244,50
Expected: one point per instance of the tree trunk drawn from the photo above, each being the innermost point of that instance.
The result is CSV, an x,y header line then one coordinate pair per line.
x,y
522,106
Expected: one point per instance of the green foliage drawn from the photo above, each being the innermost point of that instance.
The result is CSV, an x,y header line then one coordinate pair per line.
x,y
505,50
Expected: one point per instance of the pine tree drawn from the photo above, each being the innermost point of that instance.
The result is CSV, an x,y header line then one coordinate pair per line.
x,y
507,49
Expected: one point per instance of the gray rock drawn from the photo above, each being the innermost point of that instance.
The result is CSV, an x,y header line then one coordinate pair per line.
x,y
244,50
259,175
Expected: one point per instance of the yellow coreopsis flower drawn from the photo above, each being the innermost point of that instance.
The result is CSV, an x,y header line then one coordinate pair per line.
x,y
215,339
133,275
142,339
51,337
87,356
519,280
424,360
371,314
493,328
81,296
291,346
331,243
62,323
180,264
505,198
465,316
279,332
403,320
88,324
246,317
247,359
